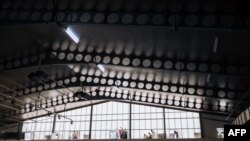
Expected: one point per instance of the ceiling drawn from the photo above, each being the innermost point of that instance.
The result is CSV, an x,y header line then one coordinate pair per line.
x,y
190,55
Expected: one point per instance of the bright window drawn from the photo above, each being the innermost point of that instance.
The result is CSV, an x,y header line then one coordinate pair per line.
x,y
108,117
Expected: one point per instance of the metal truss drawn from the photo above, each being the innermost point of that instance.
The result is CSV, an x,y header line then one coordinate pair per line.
x,y
93,77
178,15
158,87
53,56
56,56
167,90
132,96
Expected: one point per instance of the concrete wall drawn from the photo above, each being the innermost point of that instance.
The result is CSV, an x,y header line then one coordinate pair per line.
x,y
209,124
10,128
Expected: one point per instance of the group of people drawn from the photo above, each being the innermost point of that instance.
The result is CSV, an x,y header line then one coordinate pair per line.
x,y
122,133
153,135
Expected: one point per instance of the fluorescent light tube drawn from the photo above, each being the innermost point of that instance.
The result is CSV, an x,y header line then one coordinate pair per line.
x,y
72,35
216,41
101,67
208,78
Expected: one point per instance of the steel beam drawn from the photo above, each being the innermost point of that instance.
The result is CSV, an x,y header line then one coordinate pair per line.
x,y
211,93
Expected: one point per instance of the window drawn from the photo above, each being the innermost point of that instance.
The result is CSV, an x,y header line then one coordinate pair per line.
x,y
185,124
146,118
37,128
108,117
80,125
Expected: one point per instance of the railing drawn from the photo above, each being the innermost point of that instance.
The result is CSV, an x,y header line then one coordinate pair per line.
x,y
204,139
243,117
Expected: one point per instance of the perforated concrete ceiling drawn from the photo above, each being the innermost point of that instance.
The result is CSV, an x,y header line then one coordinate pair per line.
x,y
190,55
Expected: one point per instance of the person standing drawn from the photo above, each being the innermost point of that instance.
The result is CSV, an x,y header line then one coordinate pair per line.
x,y
149,135
74,135
125,134
120,132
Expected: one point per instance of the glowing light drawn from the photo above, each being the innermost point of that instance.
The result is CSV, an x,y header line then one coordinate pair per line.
x,y
101,67
72,35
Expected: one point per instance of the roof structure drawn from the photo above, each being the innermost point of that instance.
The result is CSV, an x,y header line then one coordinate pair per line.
x,y
189,55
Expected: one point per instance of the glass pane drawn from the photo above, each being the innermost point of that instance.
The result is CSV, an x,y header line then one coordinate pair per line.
x,y
126,124
160,124
196,114
136,109
185,133
191,133
184,123
177,115
142,116
177,123
103,125
142,124
190,123
147,109
153,109
159,115
196,123
142,109
183,114
109,116
189,114
171,124
154,124
136,124
148,125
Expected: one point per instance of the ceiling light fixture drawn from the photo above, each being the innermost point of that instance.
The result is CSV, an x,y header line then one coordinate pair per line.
x,y
208,78
72,35
101,67
39,76
82,95
116,86
13,101
216,41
